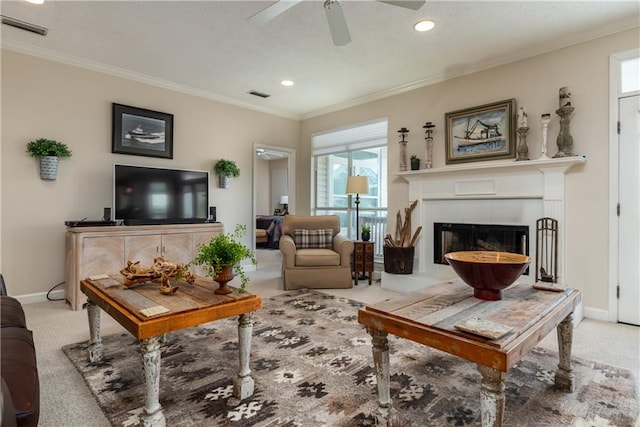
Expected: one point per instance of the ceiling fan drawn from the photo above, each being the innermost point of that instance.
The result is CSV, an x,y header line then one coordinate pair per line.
x,y
335,15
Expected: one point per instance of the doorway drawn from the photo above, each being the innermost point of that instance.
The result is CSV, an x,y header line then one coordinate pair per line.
x,y
273,178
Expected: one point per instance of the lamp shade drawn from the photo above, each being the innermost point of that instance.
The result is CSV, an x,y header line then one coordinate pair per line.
x,y
284,200
357,184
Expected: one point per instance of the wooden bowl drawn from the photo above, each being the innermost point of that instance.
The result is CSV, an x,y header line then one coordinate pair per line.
x,y
488,273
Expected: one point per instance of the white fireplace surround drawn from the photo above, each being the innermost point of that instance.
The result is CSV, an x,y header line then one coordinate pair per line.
x,y
498,192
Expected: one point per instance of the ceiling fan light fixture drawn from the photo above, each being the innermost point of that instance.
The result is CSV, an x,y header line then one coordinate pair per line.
x,y
287,83
424,25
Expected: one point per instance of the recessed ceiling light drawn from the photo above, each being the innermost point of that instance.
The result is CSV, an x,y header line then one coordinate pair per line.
x,y
424,26
35,1
286,83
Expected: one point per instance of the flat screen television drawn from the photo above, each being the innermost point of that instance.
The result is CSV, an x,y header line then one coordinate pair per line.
x,y
149,195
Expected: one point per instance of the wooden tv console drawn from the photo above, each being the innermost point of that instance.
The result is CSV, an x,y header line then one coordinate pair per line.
x,y
105,250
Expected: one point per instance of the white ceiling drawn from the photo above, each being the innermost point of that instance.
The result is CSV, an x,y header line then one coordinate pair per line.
x,y
209,49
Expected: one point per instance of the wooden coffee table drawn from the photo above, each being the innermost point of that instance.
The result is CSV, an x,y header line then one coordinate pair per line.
x,y
430,317
192,305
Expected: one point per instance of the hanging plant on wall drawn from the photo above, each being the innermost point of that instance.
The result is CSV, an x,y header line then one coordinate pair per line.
x,y
226,169
48,151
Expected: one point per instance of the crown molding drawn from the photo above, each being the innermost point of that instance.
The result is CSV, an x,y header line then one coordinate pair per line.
x,y
48,54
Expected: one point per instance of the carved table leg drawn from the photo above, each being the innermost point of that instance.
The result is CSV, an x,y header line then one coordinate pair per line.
x,y
152,415
386,414
492,396
564,373
95,342
243,385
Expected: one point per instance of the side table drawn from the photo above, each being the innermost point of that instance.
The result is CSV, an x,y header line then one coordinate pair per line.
x,y
362,260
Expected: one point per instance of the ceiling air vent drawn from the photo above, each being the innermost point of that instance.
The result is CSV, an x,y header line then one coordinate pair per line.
x,y
32,28
260,94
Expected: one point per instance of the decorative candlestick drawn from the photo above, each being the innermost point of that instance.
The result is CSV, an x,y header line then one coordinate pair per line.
x,y
565,140
403,149
428,154
545,120
523,149
523,128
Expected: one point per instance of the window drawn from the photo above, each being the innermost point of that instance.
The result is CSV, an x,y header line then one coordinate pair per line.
x,y
362,150
630,75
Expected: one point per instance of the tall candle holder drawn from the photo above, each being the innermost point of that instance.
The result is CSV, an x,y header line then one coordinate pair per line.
x,y
403,148
428,153
523,148
545,120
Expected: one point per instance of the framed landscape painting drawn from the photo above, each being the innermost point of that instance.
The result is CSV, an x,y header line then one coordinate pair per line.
x,y
142,132
486,132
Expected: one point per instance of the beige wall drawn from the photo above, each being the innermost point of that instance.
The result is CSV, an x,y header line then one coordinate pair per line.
x,y
41,98
534,84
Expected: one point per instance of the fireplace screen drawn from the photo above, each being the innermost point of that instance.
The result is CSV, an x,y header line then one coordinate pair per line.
x,y
478,237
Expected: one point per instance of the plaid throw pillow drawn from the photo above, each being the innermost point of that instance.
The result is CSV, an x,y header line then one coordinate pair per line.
x,y
313,239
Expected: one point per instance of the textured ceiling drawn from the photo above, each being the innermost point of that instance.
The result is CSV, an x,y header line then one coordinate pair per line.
x,y
209,48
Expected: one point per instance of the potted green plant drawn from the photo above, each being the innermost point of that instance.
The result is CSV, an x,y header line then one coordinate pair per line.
x,y
222,256
48,151
366,233
226,169
415,162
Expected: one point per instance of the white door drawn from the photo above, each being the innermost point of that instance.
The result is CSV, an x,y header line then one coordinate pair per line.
x,y
629,220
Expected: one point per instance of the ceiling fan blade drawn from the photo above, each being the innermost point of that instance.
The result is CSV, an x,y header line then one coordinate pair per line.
x,y
337,23
271,11
407,4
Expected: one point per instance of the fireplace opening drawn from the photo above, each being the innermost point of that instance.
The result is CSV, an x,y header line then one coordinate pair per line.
x,y
449,237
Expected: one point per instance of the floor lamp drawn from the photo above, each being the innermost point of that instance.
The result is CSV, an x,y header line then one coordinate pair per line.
x,y
357,185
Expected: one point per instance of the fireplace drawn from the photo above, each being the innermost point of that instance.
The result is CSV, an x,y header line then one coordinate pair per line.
x,y
478,237
448,237
486,193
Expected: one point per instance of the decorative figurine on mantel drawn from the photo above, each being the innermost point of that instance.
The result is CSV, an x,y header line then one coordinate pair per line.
x,y
565,140
403,148
523,128
545,120
428,154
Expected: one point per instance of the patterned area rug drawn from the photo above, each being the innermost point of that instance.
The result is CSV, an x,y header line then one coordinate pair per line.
x,y
312,364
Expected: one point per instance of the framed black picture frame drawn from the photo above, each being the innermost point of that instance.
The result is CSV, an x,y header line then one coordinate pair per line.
x,y
142,132
486,132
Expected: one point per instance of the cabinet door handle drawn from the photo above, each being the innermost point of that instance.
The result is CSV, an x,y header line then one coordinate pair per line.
x,y
163,250
157,249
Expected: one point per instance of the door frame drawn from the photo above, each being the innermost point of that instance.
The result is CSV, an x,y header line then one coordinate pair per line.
x,y
615,93
291,174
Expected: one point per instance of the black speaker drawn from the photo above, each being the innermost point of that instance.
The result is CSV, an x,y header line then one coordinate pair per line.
x,y
212,214
106,214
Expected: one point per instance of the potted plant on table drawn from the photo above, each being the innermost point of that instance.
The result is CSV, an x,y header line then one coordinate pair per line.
x,y
226,169
48,151
366,233
222,256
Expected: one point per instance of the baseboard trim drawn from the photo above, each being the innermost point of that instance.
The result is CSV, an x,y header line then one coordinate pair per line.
x,y
39,297
597,314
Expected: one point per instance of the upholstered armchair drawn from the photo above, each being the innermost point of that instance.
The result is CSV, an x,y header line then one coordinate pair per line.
x,y
313,254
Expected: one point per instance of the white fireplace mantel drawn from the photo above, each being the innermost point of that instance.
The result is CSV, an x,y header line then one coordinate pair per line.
x,y
509,166
516,192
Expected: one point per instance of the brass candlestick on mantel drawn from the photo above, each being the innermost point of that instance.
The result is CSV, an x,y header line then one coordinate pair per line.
x,y
403,148
428,154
